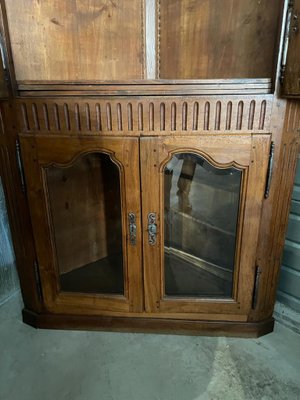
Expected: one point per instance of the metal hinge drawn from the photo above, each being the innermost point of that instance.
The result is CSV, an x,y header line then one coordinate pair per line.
x,y
256,287
38,280
20,166
286,39
270,170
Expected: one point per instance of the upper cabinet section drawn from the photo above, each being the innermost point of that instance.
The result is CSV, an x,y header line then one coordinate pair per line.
x,y
76,40
136,40
291,53
218,39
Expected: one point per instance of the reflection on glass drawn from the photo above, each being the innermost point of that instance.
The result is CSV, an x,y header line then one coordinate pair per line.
x,y
200,224
85,205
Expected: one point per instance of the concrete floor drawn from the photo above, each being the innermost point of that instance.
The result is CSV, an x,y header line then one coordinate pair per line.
x,y
65,365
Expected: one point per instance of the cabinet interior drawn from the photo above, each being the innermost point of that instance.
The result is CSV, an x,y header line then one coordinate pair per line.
x,y
85,208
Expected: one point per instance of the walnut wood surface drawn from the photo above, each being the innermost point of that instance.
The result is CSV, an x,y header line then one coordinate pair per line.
x,y
289,151
77,39
17,208
250,154
217,39
149,325
153,115
39,152
106,41
144,88
66,104
285,127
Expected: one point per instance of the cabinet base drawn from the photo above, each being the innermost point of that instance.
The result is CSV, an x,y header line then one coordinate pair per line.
x,y
148,325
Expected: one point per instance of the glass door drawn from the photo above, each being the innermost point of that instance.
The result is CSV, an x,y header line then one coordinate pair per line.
x,y
201,223
83,202
85,208
201,209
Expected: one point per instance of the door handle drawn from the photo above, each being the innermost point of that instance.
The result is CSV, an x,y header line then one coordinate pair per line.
x,y
132,228
152,229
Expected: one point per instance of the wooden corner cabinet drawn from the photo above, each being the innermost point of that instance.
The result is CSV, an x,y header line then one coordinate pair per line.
x,y
148,159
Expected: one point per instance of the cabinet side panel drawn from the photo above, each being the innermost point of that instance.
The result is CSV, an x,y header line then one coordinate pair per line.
x,y
285,134
17,209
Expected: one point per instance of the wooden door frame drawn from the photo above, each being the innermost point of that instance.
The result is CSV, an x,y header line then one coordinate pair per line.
x,y
249,153
41,151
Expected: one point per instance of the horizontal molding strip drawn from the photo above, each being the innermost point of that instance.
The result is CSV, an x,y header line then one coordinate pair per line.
x,y
144,87
146,116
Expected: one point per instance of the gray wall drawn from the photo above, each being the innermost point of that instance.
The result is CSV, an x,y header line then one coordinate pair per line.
x,y
289,284
9,283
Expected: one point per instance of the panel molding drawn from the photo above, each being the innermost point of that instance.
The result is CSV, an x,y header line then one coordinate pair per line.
x,y
145,116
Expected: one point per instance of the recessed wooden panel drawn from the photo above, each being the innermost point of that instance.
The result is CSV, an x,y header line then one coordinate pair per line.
x,y
200,39
76,39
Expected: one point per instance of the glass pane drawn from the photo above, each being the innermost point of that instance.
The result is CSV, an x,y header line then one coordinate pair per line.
x,y
85,204
200,225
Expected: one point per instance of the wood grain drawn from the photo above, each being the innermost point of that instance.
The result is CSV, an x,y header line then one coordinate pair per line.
x,y
217,39
17,208
149,325
285,130
83,74
38,152
282,189
144,88
147,115
248,153
77,40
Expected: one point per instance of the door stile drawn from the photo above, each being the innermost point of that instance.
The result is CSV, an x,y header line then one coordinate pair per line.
x,y
133,205
260,148
149,155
